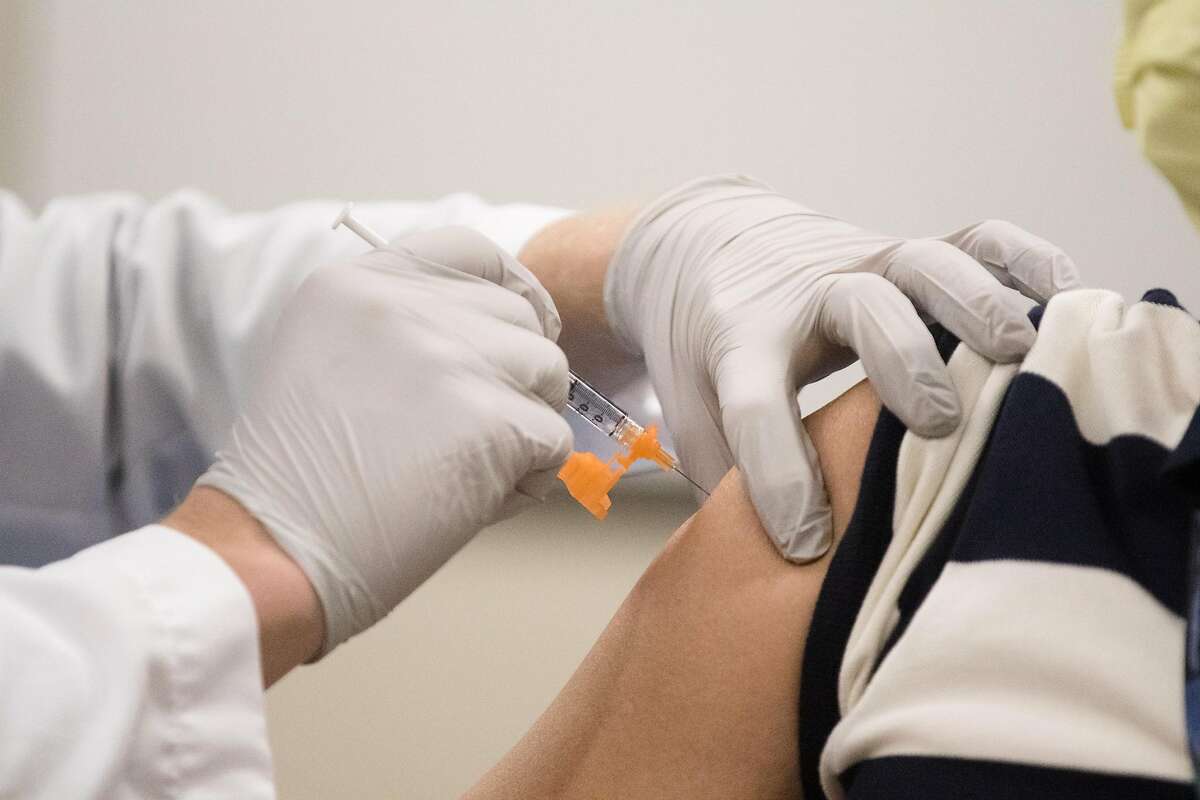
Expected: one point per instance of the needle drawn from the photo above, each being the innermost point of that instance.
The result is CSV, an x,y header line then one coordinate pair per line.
x,y
692,482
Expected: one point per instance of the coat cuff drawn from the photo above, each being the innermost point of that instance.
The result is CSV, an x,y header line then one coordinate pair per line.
x,y
204,731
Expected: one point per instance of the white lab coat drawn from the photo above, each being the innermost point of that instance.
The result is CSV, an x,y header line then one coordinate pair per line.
x,y
129,333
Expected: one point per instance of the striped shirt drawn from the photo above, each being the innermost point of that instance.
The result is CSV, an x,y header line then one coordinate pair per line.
x,y
1004,616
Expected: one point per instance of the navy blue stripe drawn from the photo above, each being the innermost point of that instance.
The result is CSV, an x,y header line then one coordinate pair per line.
x,y
846,583
850,574
934,778
1045,494
1162,297
1182,469
1035,316
1040,492
945,341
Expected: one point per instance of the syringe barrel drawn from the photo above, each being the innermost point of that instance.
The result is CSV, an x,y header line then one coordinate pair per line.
x,y
600,412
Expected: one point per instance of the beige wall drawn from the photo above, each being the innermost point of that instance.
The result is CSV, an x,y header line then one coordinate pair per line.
x,y
423,704
910,117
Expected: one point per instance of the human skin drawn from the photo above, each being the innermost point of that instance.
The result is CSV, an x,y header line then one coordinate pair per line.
x,y
691,691
291,625
572,257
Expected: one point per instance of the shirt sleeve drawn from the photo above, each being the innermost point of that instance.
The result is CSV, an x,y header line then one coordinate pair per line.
x,y
131,331
131,670
1158,90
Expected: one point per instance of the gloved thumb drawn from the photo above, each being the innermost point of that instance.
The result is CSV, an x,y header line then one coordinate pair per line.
x,y
778,462
473,253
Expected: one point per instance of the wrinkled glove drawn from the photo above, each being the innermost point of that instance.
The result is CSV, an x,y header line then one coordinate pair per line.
x,y
409,401
737,297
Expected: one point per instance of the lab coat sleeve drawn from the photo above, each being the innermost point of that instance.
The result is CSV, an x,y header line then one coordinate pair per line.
x,y
131,670
1158,90
131,331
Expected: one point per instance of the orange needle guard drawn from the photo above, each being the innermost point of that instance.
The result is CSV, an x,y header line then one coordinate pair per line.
x,y
589,479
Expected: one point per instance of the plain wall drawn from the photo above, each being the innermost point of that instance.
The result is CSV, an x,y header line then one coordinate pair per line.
x,y
913,118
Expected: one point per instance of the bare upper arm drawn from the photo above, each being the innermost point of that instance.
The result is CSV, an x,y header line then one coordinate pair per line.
x,y
691,690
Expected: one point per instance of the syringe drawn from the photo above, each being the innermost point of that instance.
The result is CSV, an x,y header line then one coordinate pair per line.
x,y
582,398
608,418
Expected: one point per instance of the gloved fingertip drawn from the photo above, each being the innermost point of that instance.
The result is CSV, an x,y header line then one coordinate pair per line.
x,y
934,410
517,503
1064,274
1012,339
798,519
1007,332
534,487
937,429
810,539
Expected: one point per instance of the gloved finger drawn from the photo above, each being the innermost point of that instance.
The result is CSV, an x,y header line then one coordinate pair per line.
x,y
866,313
761,421
958,292
516,503
1018,259
533,363
473,253
454,291
547,441
699,438
530,442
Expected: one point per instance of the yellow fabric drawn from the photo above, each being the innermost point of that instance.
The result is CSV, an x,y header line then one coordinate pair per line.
x,y
1158,89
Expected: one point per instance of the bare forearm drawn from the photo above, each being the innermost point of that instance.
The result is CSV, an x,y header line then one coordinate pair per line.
x,y
290,622
571,258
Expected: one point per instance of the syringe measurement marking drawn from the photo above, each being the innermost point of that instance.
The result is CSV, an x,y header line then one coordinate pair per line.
x,y
585,409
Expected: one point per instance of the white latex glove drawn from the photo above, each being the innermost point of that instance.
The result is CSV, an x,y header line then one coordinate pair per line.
x,y
410,400
737,297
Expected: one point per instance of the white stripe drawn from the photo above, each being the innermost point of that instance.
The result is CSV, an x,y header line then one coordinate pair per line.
x,y
1125,370
1028,662
930,475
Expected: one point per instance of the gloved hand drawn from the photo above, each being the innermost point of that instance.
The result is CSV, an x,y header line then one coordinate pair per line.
x,y
737,297
410,400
